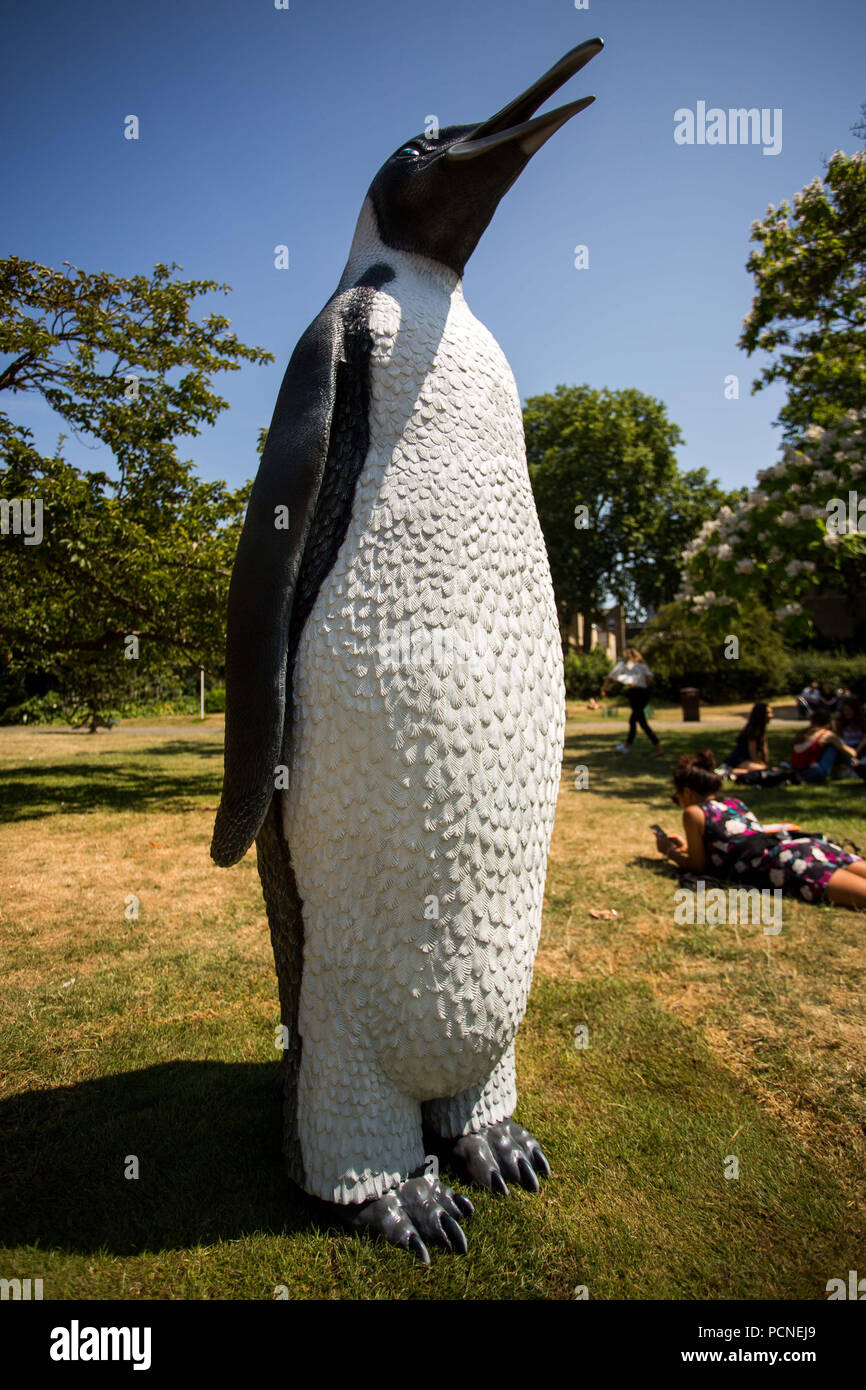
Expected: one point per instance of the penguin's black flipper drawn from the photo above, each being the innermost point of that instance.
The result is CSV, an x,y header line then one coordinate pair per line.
x,y
262,588
316,446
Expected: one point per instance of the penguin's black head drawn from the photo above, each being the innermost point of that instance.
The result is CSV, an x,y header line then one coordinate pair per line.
x,y
435,196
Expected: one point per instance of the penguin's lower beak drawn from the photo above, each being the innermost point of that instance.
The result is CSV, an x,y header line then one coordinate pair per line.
x,y
512,125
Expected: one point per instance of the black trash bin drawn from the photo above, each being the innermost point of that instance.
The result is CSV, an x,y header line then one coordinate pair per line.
x,y
690,699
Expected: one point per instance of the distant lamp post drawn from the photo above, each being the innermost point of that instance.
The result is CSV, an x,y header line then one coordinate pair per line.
x,y
201,689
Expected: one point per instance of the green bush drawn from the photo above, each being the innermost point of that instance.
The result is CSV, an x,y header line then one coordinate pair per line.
x,y
686,648
153,702
215,700
585,673
839,668
38,709
167,708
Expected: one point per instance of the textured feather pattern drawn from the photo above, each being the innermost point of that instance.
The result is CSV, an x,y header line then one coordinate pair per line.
x,y
347,448
428,718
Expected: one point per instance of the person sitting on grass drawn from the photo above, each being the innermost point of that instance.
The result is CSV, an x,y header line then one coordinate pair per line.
x,y
637,678
751,753
724,838
816,749
850,725
809,698
827,698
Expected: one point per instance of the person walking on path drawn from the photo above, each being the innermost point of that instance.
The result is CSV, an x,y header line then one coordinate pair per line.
x,y
634,674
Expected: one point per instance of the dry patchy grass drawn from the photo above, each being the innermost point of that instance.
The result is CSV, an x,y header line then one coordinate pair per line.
x,y
155,1035
785,1013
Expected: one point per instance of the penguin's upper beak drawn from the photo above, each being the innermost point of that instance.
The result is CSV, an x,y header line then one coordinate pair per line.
x,y
513,124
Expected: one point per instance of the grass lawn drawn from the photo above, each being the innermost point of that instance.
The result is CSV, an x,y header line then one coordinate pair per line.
x,y
154,1036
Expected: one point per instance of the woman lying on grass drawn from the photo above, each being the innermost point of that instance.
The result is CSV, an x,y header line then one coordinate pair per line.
x,y
724,838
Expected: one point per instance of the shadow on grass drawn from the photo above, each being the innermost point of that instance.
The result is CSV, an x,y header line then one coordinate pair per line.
x,y
640,776
177,745
637,776
662,868
207,1139
34,790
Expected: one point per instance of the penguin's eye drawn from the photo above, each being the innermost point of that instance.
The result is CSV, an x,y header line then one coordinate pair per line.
x,y
411,150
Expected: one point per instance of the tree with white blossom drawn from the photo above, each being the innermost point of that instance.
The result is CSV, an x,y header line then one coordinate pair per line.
x,y
801,531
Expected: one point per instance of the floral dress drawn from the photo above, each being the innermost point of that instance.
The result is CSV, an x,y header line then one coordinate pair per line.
x,y
739,848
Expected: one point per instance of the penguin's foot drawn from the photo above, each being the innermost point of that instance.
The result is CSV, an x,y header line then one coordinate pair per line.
x,y
419,1210
499,1154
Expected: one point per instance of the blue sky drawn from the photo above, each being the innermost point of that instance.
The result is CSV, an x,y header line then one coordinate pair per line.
x,y
262,126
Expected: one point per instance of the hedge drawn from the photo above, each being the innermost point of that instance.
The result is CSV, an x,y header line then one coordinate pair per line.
x,y
585,673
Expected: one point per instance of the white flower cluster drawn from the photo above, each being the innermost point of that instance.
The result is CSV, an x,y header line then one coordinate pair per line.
x,y
699,542
711,600
778,470
835,458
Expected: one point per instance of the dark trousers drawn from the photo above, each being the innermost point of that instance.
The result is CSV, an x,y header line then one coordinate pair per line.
x,y
638,701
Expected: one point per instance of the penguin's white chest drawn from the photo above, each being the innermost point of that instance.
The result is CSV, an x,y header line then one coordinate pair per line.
x,y
428,716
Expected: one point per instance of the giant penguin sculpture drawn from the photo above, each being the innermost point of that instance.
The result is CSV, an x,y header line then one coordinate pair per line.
x,y
395,703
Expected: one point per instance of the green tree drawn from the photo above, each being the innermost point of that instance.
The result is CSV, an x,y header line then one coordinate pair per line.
x,y
141,551
615,510
688,647
809,308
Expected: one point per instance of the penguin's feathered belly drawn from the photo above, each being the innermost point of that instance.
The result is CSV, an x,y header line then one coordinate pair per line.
x,y
428,719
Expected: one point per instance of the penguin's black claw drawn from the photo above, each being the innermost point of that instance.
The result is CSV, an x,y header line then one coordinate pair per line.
x,y
504,1151
418,1210
477,1160
453,1203
385,1217
539,1162
417,1247
434,1209
453,1234
464,1205
526,1174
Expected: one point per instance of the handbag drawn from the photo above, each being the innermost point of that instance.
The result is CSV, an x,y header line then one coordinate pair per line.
x,y
764,777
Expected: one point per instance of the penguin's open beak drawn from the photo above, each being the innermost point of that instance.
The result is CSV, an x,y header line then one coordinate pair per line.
x,y
513,124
